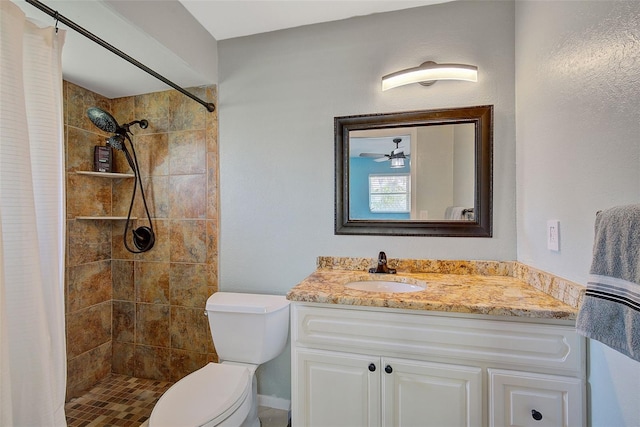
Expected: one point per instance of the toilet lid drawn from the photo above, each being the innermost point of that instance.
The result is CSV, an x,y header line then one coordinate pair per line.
x,y
210,393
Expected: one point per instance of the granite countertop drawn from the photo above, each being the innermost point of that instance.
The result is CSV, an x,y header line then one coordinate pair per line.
x,y
491,294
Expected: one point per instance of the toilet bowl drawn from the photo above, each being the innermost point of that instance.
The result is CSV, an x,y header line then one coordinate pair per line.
x,y
215,395
248,330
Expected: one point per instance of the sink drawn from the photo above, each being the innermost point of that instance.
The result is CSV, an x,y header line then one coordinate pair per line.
x,y
384,286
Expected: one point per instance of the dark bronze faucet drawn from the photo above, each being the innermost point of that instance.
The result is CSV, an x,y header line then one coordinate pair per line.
x,y
382,265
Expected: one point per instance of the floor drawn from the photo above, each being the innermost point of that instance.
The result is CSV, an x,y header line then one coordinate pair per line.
x,y
119,400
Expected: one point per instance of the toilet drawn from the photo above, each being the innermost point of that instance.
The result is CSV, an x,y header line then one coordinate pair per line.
x,y
247,330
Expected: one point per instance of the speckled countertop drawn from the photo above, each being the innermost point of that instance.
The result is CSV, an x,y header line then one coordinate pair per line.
x,y
478,287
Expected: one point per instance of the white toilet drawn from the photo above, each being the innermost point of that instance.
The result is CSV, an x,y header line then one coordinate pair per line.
x,y
247,330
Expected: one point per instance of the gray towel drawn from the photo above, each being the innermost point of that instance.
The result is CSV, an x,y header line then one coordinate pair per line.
x,y
610,311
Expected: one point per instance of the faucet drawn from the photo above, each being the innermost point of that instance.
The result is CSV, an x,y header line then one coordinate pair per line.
x,y
382,265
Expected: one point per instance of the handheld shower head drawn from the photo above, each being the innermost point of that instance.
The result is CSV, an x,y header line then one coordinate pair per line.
x,y
116,141
103,120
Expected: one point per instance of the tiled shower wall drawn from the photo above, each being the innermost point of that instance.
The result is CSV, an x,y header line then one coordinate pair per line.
x,y
141,315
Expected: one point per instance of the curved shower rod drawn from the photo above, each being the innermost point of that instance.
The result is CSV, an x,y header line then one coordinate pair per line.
x,y
54,14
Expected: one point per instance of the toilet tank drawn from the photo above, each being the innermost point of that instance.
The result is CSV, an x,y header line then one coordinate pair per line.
x,y
248,328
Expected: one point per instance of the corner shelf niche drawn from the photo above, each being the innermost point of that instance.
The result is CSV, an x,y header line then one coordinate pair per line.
x,y
110,175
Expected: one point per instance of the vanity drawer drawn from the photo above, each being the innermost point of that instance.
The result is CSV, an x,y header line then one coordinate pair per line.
x,y
536,400
436,336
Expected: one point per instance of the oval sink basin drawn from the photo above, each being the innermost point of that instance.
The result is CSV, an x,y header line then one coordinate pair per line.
x,y
383,286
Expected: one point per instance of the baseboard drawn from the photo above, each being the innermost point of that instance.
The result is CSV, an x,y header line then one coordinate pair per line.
x,y
274,402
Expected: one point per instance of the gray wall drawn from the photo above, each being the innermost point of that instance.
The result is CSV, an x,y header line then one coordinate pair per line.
x,y
278,95
578,145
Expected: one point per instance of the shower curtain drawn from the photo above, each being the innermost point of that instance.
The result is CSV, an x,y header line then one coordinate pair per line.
x,y
32,339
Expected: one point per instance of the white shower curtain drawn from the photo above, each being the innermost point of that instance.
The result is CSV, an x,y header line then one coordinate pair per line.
x,y
32,336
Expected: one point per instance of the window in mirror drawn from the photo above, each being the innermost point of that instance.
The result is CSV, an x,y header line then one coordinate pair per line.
x,y
445,157
389,193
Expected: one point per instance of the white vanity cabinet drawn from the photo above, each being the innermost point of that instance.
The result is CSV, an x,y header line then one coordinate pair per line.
x,y
362,366
343,389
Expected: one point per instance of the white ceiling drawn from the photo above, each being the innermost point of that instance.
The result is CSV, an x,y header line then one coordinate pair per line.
x,y
229,19
178,39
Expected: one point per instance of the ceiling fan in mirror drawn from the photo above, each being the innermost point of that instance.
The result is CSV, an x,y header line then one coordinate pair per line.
x,y
396,157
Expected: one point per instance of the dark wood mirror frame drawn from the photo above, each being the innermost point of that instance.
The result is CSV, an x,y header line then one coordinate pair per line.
x,y
481,226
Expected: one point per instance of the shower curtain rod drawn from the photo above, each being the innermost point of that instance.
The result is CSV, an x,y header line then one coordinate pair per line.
x,y
59,18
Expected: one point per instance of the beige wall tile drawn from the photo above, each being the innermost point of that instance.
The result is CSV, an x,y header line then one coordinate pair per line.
x,y
88,328
184,362
152,151
78,101
161,249
89,284
122,361
190,330
152,325
80,146
187,198
122,190
189,285
152,362
185,113
87,196
117,245
123,280
188,241
152,282
88,241
153,107
124,318
187,152
87,369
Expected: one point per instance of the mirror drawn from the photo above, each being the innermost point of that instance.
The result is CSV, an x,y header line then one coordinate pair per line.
x,y
417,173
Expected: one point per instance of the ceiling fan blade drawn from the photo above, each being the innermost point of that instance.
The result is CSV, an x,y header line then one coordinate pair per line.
x,y
382,159
372,155
398,150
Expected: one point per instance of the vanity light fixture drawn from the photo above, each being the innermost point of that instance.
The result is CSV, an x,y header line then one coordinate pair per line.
x,y
428,73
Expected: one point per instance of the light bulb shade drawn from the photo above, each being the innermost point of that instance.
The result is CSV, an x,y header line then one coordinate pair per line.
x,y
428,73
397,162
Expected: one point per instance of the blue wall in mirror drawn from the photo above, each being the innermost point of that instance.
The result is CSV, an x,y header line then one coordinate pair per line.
x,y
359,170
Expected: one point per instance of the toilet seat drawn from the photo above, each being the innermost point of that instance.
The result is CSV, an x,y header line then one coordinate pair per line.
x,y
207,396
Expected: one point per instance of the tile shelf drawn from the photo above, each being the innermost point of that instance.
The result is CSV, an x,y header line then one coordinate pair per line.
x,y
113,218
110,175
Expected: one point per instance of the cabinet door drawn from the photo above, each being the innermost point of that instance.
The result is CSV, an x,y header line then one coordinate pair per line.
x,y
525,399
336,389
430,394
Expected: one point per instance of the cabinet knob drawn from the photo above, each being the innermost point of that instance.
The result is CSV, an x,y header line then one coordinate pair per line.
x,y
388,369
536,415
372,367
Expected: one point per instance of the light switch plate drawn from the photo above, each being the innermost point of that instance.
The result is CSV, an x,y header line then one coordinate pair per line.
x,y
553,235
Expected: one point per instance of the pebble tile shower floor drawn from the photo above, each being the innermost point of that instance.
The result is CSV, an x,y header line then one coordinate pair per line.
x,y
119,400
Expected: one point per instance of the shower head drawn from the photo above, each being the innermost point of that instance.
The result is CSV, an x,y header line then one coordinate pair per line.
x,y
107,123
103,120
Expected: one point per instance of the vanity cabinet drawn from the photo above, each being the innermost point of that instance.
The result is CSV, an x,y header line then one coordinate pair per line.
x,y
385,391
363,366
